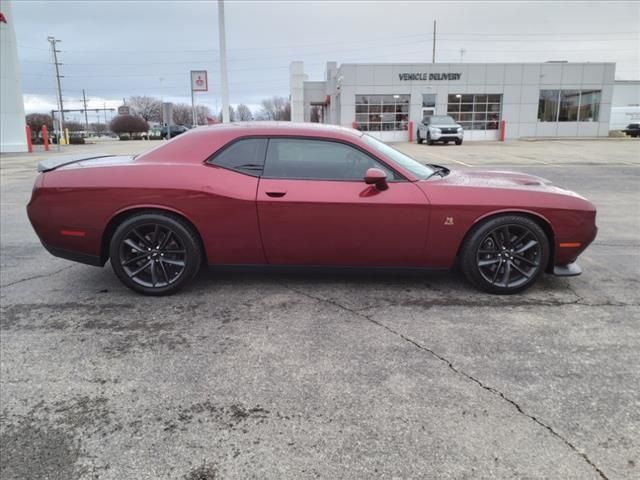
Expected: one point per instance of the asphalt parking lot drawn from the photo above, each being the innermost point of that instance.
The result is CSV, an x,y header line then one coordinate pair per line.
x,y
320,376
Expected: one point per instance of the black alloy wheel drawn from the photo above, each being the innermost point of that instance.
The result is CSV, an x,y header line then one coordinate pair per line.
x,y
418,138
429,141
505,254
155,253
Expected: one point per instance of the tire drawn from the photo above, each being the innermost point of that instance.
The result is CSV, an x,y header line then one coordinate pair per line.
x,y
429,141
155,253
418,139
458,141
512,269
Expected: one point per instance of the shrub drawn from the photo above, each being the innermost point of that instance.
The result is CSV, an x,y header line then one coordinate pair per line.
x,y
128,124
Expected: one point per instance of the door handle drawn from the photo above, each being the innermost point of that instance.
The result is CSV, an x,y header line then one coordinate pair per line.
x,y
276,194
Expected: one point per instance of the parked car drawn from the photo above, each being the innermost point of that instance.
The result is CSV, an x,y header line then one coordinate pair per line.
x,y
439,128
301,195
633,130
175,131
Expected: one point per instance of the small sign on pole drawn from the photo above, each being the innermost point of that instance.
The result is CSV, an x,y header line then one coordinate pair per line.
x,y
199,81
124,110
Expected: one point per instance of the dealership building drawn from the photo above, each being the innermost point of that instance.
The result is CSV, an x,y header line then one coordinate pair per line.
x,y
553,99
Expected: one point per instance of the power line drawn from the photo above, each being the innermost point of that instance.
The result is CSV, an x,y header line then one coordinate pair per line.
x,y
552,38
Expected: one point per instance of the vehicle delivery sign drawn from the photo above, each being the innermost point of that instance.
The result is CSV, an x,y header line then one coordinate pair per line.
x,y
199,81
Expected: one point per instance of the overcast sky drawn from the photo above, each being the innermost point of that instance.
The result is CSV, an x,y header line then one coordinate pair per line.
x,y
118,49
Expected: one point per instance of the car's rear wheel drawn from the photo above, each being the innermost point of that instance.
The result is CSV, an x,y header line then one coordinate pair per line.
x,y
505,254
155,253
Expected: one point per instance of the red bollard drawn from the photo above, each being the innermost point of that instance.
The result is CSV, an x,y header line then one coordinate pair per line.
x,y
354,125
45,137
411,131
29,142
503,129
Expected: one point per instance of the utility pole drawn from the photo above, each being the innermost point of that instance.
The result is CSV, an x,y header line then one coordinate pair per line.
x,y
433,57
223,64
86,118
53,41
462,52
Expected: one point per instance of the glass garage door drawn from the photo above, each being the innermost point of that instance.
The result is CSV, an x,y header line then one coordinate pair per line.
x,y
479,114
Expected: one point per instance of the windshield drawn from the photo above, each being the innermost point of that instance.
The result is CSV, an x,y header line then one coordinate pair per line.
x,y
442,120
418,169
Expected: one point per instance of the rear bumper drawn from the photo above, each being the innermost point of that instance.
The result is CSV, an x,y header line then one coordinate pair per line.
x,y
569,270
96,261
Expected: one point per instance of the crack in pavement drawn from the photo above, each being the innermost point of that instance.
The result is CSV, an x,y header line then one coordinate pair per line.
x,y
43,275
460,372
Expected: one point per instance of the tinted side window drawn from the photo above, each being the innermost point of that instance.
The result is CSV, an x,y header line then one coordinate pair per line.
x,y
246,156
318,160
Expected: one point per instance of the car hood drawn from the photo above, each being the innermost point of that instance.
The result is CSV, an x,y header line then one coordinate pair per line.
x,y
445,125
501,179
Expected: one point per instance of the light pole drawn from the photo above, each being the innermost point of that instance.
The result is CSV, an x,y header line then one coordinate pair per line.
x,y
223,64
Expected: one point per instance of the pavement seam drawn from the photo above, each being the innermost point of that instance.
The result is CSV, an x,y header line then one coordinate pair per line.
x,y
37,276
460,372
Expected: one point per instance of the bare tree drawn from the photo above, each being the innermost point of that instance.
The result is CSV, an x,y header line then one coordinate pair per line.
x,y
202,112
37,120
276,108
98,128
149,108
243,113
128,124
74,126
232,115
182,114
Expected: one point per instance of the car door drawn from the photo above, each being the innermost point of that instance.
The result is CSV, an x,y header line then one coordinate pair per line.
x,y
315,209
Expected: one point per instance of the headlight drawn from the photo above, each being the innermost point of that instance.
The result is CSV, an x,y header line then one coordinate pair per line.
x,y
459,129
435,130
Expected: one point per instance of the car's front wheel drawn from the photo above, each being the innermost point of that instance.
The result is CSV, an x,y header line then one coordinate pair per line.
x,y
458,141
505,254
155,253
429,141
418,137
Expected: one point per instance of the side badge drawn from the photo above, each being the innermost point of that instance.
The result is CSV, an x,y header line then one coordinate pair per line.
x,y
448,221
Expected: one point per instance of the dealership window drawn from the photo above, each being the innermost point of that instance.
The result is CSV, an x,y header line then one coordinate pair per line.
x,y
376,113
429,100
548,105
589,106
475,111
569,105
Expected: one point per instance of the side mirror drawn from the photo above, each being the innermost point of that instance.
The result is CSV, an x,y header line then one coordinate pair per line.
x,y
377,177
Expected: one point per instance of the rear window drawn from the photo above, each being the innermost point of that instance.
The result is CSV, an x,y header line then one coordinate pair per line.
x,y
245,156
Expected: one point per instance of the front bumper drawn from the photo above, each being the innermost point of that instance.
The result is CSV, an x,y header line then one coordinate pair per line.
x,y
446,136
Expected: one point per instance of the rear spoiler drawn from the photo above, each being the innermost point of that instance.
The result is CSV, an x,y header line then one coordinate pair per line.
x,y
52,163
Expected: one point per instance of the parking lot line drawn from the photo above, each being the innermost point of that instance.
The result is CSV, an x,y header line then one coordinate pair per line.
x,y
450,159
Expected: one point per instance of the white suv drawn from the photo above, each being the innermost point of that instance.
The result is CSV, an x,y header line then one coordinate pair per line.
x,y
439,128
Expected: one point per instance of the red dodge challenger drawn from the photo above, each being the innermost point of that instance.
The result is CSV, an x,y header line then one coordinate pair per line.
x,y
302,195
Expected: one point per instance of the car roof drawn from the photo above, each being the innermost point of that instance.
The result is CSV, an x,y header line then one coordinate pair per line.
x,y
199,143
283,128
